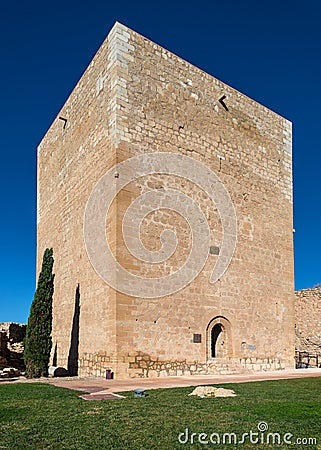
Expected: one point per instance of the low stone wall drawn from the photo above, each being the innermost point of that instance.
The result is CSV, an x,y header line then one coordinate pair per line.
x,y
143,365
95,365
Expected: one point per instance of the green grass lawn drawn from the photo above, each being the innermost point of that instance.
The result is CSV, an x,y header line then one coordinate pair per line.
x,y
40,416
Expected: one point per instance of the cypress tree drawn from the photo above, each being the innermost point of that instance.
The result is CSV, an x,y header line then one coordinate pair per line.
x,y
37,343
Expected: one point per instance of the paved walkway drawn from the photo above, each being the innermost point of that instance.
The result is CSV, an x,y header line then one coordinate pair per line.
x,y
98,389
101,389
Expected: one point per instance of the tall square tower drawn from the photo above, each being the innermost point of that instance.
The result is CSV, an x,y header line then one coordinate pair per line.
x,y
166,196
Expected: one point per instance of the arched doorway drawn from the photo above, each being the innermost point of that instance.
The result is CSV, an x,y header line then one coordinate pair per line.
x,y
219,338
217,341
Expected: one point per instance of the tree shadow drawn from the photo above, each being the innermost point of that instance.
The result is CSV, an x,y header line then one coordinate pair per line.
x,y
74,342
54,358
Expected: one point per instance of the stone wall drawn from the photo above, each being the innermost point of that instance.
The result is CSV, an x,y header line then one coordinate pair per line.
x,y
143,366
11,345
308,321
3,349
137,99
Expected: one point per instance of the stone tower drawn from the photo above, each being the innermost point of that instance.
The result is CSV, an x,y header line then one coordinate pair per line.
x,y
166,196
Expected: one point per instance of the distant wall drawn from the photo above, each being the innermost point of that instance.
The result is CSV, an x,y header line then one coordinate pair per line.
x,y
3,349
11,345
308,321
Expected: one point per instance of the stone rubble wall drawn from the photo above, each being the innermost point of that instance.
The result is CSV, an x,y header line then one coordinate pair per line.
x,y
11,345
3,349
144,366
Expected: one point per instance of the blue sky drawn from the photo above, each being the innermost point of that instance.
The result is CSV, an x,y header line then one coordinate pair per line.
x,y
269,50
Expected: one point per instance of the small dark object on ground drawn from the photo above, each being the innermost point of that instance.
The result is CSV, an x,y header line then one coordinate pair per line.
x,y
139,393
109,374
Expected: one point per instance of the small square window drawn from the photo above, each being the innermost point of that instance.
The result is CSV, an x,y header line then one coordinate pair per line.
x,y
214,250
197,338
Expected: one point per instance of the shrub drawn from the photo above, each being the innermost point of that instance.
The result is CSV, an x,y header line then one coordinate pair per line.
x,y
37,343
